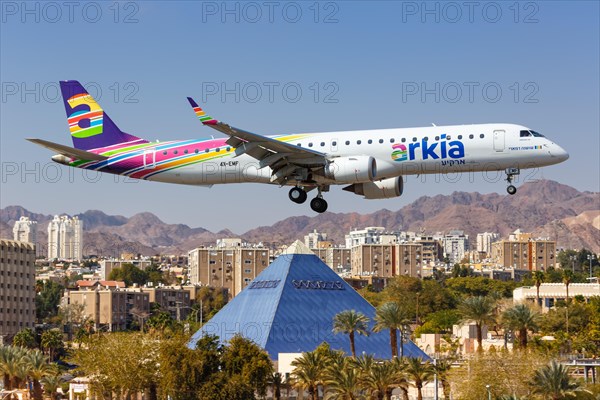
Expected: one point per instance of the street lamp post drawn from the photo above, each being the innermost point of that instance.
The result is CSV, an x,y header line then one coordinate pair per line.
x,y
573,258
591,258
489,392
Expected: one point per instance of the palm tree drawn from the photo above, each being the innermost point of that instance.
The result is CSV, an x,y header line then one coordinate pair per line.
x,y
480,310
342,380
442,369
567,278
25,338
351,322
419,372
37,367
380,379
51,384
522,319
11,366
538,279
553,381
309,372
402,380
52,341
276,382
393,317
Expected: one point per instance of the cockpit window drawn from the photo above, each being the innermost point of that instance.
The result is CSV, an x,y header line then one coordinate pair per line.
x,y
525,134
536,134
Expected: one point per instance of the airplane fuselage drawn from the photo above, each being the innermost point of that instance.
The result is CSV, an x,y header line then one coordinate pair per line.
x,y
398,152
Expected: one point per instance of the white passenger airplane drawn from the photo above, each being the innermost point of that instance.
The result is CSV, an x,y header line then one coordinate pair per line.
x,y
371,162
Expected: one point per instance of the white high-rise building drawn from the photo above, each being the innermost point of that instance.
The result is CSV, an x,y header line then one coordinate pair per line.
x,y
371,235
485,240
65,238
25,230
313,238
455,244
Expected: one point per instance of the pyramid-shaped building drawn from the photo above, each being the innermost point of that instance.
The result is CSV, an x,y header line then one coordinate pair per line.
x,y
289,308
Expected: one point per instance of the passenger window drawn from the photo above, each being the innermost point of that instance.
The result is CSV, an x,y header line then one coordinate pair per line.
x,y
196,151
358,142
481,136
310,145
403,140
471,136
334,143
392,140
448,137
322,144
437,138
218,149
299,144
175,152
164,153
380,140
185,151
414,139
370,141
228,148
426,138
459,137
347,142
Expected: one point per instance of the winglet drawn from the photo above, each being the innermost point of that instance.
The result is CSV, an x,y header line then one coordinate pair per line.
x,y
202,116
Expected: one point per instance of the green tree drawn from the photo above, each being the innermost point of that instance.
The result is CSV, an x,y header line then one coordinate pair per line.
x,y
160,321
419,372
522,319
351,322
25,338
52,342
379,379
51,383
309,372
392,317
244,358
481,311
553,381
129,274
442,369
47,299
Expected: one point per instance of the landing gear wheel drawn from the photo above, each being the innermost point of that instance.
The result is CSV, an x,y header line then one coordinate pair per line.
x,y
297,195
318,204
511,190
510,174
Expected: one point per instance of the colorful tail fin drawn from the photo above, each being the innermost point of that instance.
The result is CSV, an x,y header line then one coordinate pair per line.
x,y
90,126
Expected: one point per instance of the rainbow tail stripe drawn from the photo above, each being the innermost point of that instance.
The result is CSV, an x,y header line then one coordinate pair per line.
x,y
202,116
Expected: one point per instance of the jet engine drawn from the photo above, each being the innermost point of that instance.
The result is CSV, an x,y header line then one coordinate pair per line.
x,y
384,189
352,169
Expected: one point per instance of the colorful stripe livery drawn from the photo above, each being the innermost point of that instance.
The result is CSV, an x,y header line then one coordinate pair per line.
x,y
142,160
202,116
90,126
87,116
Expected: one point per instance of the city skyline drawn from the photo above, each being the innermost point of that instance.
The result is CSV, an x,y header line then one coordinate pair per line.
x,y
149,100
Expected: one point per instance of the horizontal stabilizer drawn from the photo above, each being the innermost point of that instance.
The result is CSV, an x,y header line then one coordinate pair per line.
x,y
69,151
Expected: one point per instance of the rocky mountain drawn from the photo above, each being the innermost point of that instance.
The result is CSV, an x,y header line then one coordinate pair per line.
x,y
544,207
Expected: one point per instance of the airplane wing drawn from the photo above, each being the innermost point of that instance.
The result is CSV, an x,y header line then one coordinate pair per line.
x,y
68,151
285,159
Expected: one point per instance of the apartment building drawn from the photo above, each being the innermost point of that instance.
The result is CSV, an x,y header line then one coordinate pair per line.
x,y
112,309
336,258
25,230
65,238
173,299
17,287
387,260
231,266
106,266
531,254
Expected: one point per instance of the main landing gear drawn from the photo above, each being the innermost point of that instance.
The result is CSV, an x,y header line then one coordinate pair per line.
x,y
510,173
298,195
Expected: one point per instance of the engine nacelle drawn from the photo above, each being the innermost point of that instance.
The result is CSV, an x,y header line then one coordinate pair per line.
x,y
352,169
384,189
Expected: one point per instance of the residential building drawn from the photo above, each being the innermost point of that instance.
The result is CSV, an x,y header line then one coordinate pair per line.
x,y
337,258
17,287
313,239
65,238
530,254
230,267
454,244
484,242
387,260
25,230
550,293
173,299
114,309
371,235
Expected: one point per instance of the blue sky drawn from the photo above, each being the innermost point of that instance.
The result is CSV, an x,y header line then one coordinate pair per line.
x,y
331,66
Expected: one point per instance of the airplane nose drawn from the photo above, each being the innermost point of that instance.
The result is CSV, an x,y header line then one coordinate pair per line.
x,y
559,153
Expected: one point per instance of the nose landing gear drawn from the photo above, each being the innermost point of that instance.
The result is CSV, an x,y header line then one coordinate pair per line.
x,y
510,173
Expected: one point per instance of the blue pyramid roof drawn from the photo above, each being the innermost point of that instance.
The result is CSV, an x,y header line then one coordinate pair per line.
x,y
289,308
